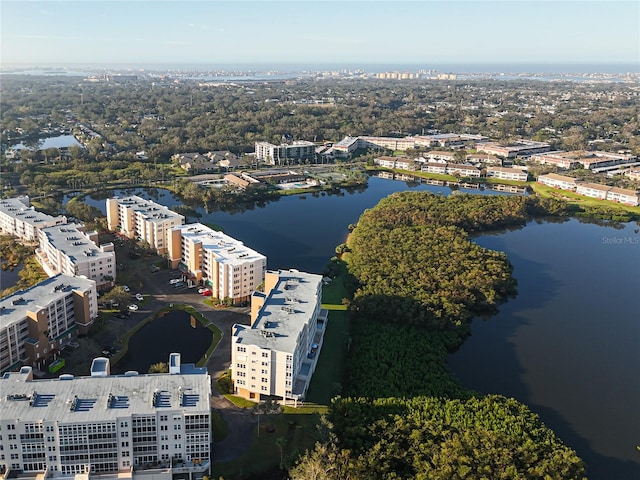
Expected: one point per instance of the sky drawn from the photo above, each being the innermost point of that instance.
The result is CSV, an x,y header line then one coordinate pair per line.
x,y
168,32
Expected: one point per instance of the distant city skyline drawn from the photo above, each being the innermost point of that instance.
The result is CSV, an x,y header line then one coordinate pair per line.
x,y
319,32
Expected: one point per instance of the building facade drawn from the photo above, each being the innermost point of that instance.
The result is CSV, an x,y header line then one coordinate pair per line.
x,y
507,174
559,181
118,426
144,220
232,270
70,250
284,154
277,353
522,148
37,322
20,219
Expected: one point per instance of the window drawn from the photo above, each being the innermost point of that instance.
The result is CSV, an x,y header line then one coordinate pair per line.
x,y
265,354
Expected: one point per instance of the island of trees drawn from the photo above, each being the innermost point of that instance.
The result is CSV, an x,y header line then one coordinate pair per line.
x,y
419,282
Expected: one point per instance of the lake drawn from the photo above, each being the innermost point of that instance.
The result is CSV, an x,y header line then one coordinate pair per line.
x,y
60,141
567,346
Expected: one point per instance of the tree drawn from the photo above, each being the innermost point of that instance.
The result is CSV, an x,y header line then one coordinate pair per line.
x,y
160,367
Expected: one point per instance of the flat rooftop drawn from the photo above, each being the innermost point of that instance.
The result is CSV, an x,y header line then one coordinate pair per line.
x,y
14,308
69,399
150,210
15,208
226,249
70,240
288,308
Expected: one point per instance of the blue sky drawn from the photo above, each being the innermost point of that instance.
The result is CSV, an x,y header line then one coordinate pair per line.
x,y
350,32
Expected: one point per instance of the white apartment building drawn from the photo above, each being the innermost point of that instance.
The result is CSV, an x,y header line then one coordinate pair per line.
x,y
37,322
593,190
439,156
143,220
231,269
463,170
558,158
522,148
70,250
559,181
277,353
296,152
402,163
624,195
107,426
507,173
20,219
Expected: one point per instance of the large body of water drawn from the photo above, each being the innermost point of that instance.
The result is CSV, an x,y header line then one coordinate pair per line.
x,y
567,346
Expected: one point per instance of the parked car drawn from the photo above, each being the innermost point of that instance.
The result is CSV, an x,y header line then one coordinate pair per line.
x,y
173,281
125,288
139,297
133,307
178,285
206,293
201,290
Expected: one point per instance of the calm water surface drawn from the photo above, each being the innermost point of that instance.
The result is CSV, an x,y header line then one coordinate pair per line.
x,y
177,331
567,346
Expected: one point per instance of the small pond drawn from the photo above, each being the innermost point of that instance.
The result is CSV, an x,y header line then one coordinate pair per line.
x,y
176,331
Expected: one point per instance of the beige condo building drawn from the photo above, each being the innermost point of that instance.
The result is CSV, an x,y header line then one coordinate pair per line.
x,y
135,217
214,259
276,354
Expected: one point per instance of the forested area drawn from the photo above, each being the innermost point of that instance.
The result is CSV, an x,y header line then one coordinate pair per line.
x,y
421,281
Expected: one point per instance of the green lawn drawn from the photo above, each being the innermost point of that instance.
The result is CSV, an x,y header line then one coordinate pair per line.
x,y
575,199
218,427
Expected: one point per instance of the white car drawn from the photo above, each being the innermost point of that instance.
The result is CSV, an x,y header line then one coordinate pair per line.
x,y
133,307
173,281
139,297
200,290
125,288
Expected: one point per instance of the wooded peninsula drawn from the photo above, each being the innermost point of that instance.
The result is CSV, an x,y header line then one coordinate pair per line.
x,y
419,280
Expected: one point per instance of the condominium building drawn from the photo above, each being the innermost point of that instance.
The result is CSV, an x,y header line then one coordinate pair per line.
x,y
592,160
402,163
594,190
143,220
277,353
624,195
507,173
20,219
107,426
37,322
556,158
522,148
286,153
70,250
232,270
559,181
437,155
463,170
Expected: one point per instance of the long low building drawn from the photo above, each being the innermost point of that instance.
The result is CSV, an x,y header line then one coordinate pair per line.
x,y
20,219
277,353
522,148
504,173
559,181
107,426
135,217
37,322
208,257
69,249
594,190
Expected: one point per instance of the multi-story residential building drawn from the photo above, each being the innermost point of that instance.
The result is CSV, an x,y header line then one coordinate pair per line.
x,y
463,170
387,142
507,173
594,190
135,217
232,270
559,181
277,353
20,219
433,167
70,250
286,153
37,322
402,163
633,173
522,148
127,426
558,158
623,195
